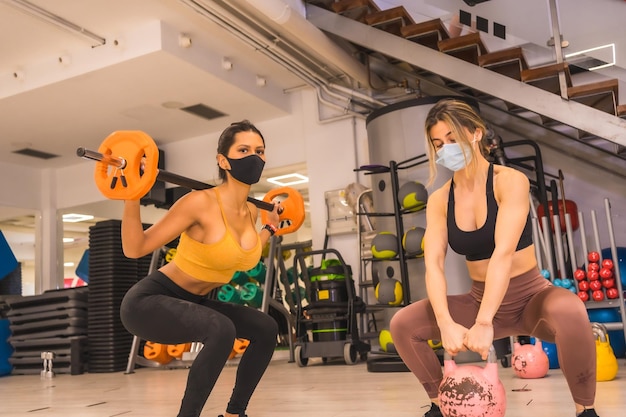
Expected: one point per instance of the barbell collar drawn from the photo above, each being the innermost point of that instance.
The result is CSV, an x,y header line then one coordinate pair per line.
x,y
114,161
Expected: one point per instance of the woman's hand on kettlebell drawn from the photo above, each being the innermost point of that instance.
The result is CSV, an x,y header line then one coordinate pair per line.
x,y
453,337
479,339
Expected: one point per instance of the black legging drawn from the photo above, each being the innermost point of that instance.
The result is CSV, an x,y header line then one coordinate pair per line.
x,y
158,310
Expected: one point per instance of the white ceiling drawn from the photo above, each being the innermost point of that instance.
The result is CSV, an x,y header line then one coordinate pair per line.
x,y
57,92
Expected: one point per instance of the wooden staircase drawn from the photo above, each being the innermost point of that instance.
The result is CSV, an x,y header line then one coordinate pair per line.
x,y
601,95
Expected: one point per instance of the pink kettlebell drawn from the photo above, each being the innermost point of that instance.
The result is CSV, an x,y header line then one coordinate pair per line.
x,y
470,390
530,361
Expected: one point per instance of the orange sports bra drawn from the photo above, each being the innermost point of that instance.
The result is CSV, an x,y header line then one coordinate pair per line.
x,y
215,262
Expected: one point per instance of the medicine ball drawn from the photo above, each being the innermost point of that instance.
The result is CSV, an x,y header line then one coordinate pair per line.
x,y
413,196
413,241
389,291
385,341
385,245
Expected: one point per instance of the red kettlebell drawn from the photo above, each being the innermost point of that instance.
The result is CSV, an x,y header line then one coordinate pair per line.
x,y
470,390
530,361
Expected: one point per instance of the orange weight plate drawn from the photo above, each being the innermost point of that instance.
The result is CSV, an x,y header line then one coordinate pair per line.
x,y
139,175
292,202
178,350
156,352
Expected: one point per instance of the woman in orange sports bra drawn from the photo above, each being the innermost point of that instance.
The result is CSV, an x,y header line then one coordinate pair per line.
x,y
218,236
482,213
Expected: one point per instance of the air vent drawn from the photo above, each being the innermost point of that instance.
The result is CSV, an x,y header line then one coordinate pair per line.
x,y
35,153
203,111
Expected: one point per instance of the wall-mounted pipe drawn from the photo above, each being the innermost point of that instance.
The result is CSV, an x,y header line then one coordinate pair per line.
x,y
249,36
297,25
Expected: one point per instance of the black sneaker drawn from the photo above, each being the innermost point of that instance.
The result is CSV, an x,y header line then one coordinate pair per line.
x,y
590,412
436,412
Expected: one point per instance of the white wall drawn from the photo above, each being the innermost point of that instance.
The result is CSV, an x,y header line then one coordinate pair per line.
x,y
21,187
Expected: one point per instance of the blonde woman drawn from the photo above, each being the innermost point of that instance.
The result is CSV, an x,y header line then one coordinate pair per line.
x,y
483,214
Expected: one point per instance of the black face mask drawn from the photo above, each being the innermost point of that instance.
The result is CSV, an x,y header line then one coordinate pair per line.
x,y
247,169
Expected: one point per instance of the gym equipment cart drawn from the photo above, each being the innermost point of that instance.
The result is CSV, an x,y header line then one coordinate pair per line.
x,y
326,323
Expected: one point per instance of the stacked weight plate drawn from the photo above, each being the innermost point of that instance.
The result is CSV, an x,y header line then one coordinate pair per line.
x,y
55,321
111,275
11,284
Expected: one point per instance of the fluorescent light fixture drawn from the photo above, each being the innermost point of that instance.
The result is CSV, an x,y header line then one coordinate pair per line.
x,y
45,15
68,264
68,239
597,48
75,218
288,179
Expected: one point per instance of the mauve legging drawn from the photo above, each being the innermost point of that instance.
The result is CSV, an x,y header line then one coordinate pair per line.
x,y
531,307
158,310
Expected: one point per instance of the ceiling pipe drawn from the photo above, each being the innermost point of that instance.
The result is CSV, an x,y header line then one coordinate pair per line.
x,y
49,17
241,31
297,25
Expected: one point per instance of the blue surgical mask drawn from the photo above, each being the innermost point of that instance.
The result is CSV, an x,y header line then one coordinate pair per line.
x,y
451,156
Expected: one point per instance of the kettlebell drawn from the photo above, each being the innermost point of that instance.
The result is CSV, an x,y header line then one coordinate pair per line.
x,y
471,390
606,362
530,361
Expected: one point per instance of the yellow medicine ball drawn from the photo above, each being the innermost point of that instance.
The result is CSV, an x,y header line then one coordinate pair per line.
x,y
389,291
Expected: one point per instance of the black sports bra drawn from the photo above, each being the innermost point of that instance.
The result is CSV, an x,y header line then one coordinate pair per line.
x,y
479,244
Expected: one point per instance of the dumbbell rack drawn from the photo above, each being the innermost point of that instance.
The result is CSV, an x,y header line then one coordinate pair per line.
x,y
612,303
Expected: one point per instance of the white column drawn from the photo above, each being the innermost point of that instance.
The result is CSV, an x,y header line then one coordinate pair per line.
x,y
48,238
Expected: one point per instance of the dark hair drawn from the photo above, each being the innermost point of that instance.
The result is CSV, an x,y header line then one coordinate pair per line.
x,y
227,138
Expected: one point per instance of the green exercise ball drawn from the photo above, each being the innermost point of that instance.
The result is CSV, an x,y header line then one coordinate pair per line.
x,y
413,196
385,245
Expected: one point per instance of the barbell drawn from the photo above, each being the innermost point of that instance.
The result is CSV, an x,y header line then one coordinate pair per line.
x,y
127,168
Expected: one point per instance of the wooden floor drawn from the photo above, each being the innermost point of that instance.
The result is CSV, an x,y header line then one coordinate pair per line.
x,y
332,389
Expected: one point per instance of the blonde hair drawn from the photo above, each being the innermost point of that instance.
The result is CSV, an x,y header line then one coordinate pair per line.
x,y
457,115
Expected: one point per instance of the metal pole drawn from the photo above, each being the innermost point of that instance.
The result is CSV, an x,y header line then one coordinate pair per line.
x,y
596,233
583,239
556,36
618,275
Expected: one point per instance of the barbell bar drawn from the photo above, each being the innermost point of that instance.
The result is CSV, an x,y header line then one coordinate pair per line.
x,y
162,175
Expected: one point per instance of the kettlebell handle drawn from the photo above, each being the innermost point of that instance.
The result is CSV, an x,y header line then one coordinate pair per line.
x,y
491,357
600,331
